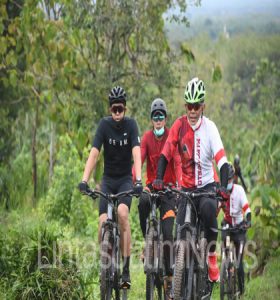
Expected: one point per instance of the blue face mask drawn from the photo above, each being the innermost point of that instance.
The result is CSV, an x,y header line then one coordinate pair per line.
x,y
159,132
229,186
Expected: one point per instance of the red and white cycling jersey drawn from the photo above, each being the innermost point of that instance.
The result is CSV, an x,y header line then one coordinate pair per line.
x,y
236,206
197,145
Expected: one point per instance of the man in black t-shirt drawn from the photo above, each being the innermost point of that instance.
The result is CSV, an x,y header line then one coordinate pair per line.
x,y
119,136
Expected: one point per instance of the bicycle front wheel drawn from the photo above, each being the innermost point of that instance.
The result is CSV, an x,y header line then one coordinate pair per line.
x,y
153,282
228,281
106,284
179,272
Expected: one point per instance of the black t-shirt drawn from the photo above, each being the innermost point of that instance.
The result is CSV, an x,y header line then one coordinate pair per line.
x,y
118,139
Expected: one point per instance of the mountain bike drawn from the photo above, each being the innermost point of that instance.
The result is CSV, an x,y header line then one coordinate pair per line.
x,y
153,260
110,276
191,273
229,287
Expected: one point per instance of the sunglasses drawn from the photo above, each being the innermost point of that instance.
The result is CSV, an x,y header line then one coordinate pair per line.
x,y
195,106
158,118
117,109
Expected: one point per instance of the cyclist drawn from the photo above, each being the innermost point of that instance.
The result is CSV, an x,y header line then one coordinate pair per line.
x,y
198,141
119,135
152,144
237,213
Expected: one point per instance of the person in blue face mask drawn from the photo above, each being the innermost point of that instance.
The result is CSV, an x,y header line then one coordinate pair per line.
x,y
152,144
236,212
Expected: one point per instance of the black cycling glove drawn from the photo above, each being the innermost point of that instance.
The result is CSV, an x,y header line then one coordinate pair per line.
x,y
138,187
83,187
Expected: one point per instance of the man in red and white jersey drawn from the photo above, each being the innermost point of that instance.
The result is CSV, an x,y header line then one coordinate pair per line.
x,y
152,144
199,142
236,212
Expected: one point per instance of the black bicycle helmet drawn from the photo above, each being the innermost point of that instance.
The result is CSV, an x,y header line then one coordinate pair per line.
x,y
117,95
158,104
230,171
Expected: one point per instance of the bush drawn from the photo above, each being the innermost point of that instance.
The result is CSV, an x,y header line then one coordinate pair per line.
x,y
33,268
64,203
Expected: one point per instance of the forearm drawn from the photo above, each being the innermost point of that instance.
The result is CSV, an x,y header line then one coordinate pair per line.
x,y
224,175
90,164
136,153
162,163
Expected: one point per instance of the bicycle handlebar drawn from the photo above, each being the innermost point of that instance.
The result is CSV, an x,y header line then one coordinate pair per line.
x,y
194,194
156,193
93,194
237,228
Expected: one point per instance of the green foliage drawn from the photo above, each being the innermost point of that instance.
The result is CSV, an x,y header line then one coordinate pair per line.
x,y
217,73
265,287
31,266
64,183
15,181
62,62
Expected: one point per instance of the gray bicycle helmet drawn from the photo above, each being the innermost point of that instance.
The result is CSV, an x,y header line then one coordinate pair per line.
x,y
117,95
195,91
158,105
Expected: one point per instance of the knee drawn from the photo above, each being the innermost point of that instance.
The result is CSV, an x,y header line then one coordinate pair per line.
x,y
123,214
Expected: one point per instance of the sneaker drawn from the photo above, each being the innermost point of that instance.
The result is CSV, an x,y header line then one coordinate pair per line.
x,y
168,289
213,269
125,281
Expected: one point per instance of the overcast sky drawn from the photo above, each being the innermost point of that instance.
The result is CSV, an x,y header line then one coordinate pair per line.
x,y
233,7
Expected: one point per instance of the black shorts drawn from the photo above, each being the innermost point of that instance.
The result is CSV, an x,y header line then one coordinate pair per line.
x,y
114,186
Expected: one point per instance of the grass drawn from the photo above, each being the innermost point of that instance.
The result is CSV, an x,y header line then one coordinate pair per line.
x,y
138,280
265,287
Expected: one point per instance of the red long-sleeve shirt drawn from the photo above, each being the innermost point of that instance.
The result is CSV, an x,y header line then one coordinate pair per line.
x,y
151,148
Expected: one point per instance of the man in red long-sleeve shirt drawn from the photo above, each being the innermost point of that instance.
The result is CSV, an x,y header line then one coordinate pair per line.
x,y
151,146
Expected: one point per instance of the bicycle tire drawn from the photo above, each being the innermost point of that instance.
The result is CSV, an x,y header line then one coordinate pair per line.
x,y
190,278
179,269
153,285
117,271
106,259
204,286
234,284
225,281
124,294
199,278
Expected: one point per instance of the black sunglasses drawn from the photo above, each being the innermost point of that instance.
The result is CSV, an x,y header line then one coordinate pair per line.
x,y
117,109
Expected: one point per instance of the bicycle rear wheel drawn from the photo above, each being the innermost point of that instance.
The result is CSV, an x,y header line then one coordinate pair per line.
x,y
106,286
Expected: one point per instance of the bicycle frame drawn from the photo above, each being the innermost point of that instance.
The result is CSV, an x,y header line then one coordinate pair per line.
x,y
153,265
190,273
154,222
110,279
229,277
